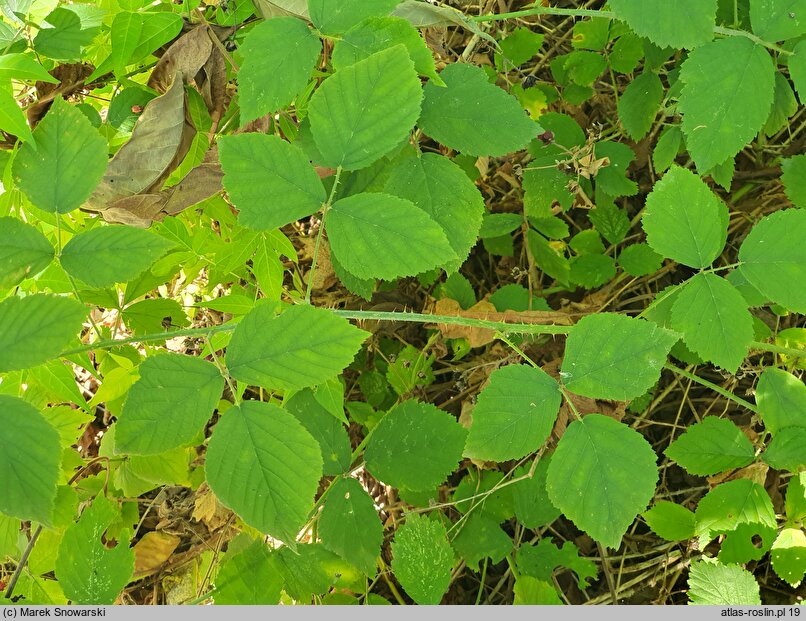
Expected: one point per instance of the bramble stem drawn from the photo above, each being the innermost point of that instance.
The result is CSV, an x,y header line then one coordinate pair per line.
x,y
718,389
325,209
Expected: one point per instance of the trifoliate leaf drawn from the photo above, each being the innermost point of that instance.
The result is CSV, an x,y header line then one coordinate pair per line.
x,y
29,461
350,526
376,235
301,348
415,446
458,114
35,328
105,255
88,571
711,446
270,181
264,465
62,168
279,56
774,258
714,584
610,356
440,188
169,405
737,72
686,23
422,559
684,220
514,415
601,476
670,521
365,110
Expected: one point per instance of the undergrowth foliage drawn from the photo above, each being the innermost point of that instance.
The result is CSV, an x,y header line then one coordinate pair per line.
x,y
336,301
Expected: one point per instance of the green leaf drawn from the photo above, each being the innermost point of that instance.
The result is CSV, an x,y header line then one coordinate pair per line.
x,y
592,270
36,328
514,415
667,148
24,252
264,465
105,255
88,571
774,258
712,316
531,591
415,446
612,179
684,220
12,118
458,114
61,35
541,560
312,570
333,440
350,526
481,537
521,45
23,67
788,555
279,56
543,189
440,188
379,33
270,181
610,356
713,584
787,451
377,235
685,23
781,399
249,578
601,476
169,405
532,505
61,170
726,506
736,72
796,499
125,35
303,347
797,69
422,559
640,260
794,179
336,17
747,542
639,104
365,110
711,446
670,521
29,461
777,20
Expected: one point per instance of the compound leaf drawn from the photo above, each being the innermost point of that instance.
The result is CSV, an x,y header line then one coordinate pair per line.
x,y
684,220
610,356
350,526
264,465
601,476
169,405
415,446
34,329
67,161
741,76
365,110
711,446
30,456
376,235
458,114
773,258
685,23
279,56
302,347
105,255
712,316
422,559
270,181
514,415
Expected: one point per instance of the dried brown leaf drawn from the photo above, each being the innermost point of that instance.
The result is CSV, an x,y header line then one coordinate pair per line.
x,y
153,550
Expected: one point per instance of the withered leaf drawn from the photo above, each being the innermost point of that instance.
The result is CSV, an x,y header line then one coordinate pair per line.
x,y
186,55
153,550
